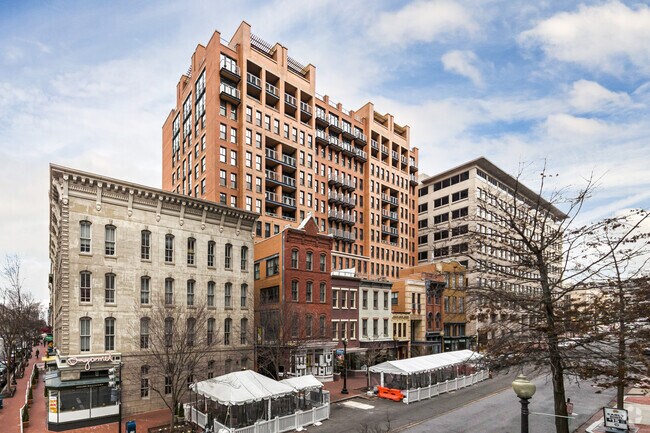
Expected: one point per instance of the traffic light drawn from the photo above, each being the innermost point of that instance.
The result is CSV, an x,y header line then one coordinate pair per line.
x,y
113,378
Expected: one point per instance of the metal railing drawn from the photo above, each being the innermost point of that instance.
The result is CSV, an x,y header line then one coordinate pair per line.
x,y
305,107
230,90
254,80
230,66
290,99
270,88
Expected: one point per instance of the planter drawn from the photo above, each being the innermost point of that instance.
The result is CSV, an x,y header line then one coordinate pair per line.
x,y
25,423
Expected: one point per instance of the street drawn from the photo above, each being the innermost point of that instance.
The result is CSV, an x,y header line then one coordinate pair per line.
x,y
490,406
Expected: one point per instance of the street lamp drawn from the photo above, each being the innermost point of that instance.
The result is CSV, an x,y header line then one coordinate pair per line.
x,y
524,389
345,366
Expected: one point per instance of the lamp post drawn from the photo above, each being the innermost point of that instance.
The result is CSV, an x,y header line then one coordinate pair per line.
x,y
345,366
524,389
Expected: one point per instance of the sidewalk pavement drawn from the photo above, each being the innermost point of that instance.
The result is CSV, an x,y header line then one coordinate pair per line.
x,y
637,403
10,414
356,386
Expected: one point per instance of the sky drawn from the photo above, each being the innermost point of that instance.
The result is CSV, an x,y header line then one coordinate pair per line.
x,y
567,84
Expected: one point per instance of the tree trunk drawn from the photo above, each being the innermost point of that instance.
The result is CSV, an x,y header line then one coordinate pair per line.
x,y
559,395
620,367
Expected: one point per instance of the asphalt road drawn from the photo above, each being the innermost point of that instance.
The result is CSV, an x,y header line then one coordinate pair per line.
x,y
490,406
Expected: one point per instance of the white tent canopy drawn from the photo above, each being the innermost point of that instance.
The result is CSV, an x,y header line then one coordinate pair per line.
x,y
302,383
241,387
425,363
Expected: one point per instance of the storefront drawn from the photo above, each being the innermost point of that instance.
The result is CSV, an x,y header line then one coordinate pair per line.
x,y
83,391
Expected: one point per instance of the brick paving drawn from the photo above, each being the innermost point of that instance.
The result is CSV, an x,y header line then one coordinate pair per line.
x,y
10,414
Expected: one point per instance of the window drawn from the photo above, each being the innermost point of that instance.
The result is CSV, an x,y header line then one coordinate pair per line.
x,y
385,300
211,286
145,245
169,248
308,325
244,295
321,326
145,290
84,236
459,213
364,328
144,333
364,300
109,333
256,271
84,286
144,381
309,260
84,334
385,327
227,295
190,292
243,330
335,297
109,291
211,364
323,262
323,291
228,256
168,385
375,328
227,325
191,243
222,133
295,288
272,267
460,195
191,331
308,290
211,247
353,299
210,329
169,291
110,241
233,136
294,259
375,300
169,331
244,258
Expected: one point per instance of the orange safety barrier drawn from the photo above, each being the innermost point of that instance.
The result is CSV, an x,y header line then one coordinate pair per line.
x,y
389,393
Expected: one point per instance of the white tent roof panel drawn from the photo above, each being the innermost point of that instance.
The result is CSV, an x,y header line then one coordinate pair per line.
x,y
425,363
241,387
301,383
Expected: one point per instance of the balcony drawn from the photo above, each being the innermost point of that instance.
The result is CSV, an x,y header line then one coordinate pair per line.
x,y
321,118
347,148
360,154
305,108
388,230
374,145
334,179
272,93
283,180
335,126
322,137
230,70
344,200
335,143
290,100
413,180
389,214
344,235
283,159
395,155
284,201
230,93
360,137
384,149
254,81
347,131
389,199
344,217
288,201
412,165
289,161
404,160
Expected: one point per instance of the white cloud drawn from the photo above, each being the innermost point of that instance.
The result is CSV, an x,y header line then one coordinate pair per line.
x,y
423,21
603,37
463,63
589,96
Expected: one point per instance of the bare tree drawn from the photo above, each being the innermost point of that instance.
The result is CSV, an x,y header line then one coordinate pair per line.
x,y
615,314
285,330
174,342
529,257
19,312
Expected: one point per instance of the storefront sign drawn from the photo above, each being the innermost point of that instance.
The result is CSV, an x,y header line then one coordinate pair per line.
x,y
615,418
53,404
72,360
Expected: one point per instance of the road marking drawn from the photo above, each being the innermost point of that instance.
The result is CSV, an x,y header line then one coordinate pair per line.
x,y
357,405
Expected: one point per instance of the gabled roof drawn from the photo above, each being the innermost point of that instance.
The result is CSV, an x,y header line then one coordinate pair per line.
x,y
241,387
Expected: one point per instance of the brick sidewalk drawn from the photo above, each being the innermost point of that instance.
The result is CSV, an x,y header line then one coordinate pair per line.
x,y
10,415
356,386
643,425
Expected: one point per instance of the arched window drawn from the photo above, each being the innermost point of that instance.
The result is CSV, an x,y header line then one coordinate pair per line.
x,y
294,290
84,334
227,329
323,262
244,295
210,328
144,333
227,295
169,331
84,236
438,320
190,292
169,248
309,261
145,290
244,258
191,331
145,245
211,247
294,259
323,292
85,286
144,381
169,291
228,256
109,333
321,326
191,245
211,287
110,240
243,331
109,289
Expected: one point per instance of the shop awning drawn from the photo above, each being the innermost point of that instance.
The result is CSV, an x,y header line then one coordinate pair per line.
x,y
425,363
241,387
303,383
57,383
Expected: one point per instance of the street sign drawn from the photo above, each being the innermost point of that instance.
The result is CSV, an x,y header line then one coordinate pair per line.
x,y
339,351
615,419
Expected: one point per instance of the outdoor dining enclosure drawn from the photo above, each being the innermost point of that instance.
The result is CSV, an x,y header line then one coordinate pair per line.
x,y
426,376
247,402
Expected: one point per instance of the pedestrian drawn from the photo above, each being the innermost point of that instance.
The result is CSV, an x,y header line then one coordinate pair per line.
x,y
37,353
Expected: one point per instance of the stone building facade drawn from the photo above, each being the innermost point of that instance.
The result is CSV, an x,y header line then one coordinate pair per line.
x,y
118,249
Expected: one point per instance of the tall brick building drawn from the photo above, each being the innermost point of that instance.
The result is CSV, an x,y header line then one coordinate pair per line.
x,y
249,130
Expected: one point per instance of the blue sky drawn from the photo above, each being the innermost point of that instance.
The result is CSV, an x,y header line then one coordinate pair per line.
x,y
89,84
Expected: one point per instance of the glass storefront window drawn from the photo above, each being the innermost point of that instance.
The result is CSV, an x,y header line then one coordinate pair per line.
x,y
74,399
101,397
